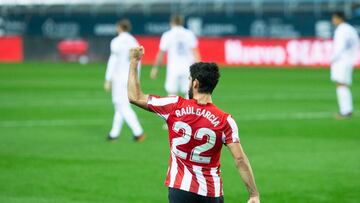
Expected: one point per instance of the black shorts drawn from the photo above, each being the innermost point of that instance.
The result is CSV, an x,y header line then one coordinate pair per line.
x,y
180,196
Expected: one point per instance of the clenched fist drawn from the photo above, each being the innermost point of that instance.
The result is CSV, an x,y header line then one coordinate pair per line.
x,y
137,53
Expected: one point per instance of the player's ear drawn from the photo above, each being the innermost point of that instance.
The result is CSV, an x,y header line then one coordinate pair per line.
x,y
196,84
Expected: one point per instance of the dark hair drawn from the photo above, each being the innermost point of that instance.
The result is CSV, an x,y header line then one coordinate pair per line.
x,y
124,24
339,14
207,74
177,19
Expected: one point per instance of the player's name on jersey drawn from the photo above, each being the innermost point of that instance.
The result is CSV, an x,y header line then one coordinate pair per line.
x,y
190,110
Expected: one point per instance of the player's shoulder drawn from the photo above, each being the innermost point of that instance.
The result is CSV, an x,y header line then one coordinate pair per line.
x,y
132,39
126,39
188,31
223,115
163,101
123,37
129,36
352,28
115,39
166,33
114,44
181,99
176,31
345,27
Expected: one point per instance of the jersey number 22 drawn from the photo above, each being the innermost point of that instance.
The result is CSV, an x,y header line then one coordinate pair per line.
x,y
186,137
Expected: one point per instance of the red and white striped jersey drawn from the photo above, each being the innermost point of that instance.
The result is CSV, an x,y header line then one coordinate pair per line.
x,y
196,135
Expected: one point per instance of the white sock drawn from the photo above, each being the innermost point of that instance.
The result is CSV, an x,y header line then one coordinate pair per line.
x,y
117,123
344,100
131,119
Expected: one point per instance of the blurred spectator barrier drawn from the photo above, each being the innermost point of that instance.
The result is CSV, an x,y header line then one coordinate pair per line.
x,y
73,50
227,51
269,52
11,49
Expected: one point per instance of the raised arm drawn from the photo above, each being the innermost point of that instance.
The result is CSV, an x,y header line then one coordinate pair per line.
x,y
245,171
135,94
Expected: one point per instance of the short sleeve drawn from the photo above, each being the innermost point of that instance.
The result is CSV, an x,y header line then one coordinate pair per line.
x,y
193,42
162,106
164,42
231,131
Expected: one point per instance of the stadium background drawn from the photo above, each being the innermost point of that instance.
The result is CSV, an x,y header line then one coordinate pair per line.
x,y
54,31
54,115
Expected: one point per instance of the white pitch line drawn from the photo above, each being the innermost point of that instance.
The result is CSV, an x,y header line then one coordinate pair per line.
x,y
288,116
51,103
90,122
35,123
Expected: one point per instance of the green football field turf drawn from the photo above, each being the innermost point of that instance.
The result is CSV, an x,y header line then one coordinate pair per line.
x,y
54,119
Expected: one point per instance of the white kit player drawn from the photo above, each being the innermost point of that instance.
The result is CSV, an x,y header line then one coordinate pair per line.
x,y
116,80
198,130
345,50
181,47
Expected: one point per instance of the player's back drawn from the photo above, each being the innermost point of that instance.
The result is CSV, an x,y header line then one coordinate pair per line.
x,y
196,135
120,47
347,35
179,42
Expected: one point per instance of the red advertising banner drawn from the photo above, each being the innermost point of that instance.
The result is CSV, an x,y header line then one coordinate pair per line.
x,y
11,49
238,51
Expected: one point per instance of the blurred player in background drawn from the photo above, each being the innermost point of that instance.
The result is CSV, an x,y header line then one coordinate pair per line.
x,y
345,50
197,131
181,46
116,80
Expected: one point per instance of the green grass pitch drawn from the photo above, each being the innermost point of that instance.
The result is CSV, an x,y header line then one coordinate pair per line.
x,y
54,118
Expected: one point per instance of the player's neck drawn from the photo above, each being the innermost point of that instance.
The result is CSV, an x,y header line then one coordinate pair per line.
x,y
176,26
203,99
121,32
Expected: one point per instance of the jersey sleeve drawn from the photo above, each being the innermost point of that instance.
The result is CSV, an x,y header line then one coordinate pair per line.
x,y
231,131
114,47
164,42
162,106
